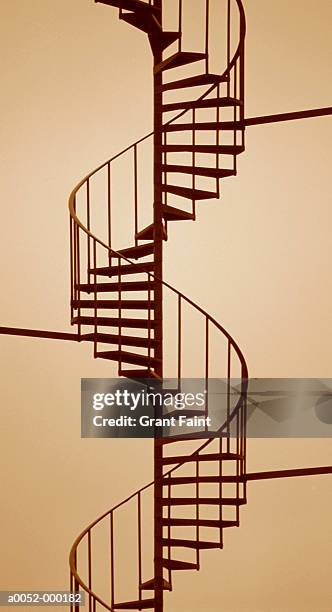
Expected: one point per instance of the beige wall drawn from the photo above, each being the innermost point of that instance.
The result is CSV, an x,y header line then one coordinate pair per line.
x,y
67,71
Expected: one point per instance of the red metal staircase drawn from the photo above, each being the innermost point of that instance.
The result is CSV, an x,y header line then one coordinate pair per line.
x,y
118,298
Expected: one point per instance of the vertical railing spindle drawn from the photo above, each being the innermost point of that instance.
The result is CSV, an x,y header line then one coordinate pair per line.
x,y
109,205
89,568
88,224
136,194
228,43
179,337
180,25
120,314
112,558
207,34
228,392
95,298
139,519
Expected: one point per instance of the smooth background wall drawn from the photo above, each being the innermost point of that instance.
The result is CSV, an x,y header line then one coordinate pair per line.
x,y
68,72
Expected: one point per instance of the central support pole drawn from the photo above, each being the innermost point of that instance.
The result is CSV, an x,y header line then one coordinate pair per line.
x,y
158,234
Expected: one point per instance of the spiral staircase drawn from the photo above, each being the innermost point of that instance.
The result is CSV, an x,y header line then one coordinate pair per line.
x,y
119,297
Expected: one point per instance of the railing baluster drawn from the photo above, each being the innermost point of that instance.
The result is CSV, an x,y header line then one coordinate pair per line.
x,y
207,34
109,205
139,518
179,337
136,193
206,368
228,392
88,220
78,279
235,113
72,280
149,319
89,568
218,139
194,161
180,25
197,512
76,585
95,297
120,314
220,491
71,587
112,558
228,43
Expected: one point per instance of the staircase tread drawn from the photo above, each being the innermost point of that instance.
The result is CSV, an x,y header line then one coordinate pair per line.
x,y
127,357
199,170
150,585
116,286
147,233
115,322
195,81
142,604
172,542
130,5
178,522
134,268
141,250
172,213
203,103
197,148
187,413
134,374
173,564
125,340
201,457
179,59
189,193
205,125
180,480
213,501
115,304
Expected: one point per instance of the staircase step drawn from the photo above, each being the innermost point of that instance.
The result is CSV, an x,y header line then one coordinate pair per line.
x,y
150,585
170,213
190,194
179,522
206,501
175,542
136,252
220,149
147,233
131,5
210,125
126,357
143,604
187,413
115,304
202,79
179,59
201,457
173,564
204,103
138,374
123,269
115,322
116,287
181,480
148,23
125,340
199,171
